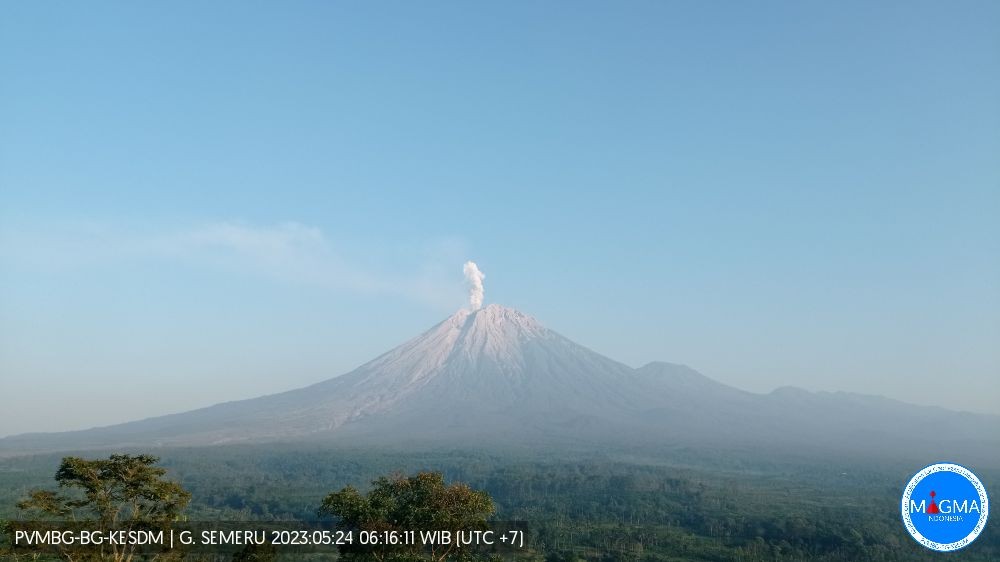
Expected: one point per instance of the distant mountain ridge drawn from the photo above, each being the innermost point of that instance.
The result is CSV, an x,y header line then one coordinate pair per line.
x,y
497,376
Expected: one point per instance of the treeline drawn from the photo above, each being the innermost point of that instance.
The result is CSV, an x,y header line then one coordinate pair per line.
x,y
584,507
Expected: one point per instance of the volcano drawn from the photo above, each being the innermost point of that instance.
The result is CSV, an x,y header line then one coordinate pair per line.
x,y
497,376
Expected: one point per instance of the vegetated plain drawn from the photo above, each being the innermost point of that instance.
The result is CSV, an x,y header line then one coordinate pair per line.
x,y
667,505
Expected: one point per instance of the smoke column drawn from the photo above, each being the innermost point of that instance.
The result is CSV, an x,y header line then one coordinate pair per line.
x,y
475,279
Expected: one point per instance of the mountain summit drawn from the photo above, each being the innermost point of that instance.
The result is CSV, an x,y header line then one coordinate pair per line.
x,y
486,372
497,376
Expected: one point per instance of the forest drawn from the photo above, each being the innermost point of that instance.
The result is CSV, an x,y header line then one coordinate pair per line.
x,y
675,505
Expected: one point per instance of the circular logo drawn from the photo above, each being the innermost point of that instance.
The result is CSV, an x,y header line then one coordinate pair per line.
x,y
945,507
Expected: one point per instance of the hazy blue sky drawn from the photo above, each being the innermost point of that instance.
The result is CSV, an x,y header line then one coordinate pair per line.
x,y
211,201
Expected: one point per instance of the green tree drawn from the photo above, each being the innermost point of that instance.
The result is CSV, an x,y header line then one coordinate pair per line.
x,y
422,502
121,493
256,553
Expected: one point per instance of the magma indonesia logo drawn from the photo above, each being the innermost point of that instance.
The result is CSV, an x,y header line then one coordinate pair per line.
x,y
945,507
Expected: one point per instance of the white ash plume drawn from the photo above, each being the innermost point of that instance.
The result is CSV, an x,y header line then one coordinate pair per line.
x,y
475,279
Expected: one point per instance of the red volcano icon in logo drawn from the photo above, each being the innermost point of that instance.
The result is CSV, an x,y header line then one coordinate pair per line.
x,y
933,508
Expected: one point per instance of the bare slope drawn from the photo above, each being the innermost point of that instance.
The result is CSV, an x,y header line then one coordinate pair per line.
x,y
496,375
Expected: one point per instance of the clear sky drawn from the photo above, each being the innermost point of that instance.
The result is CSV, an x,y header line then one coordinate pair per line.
x,y
203,202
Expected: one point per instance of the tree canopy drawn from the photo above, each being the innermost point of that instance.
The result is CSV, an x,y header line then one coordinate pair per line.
x,y
422,502
122,492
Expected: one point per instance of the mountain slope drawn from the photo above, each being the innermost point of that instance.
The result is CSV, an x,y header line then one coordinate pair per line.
x,y
497,376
